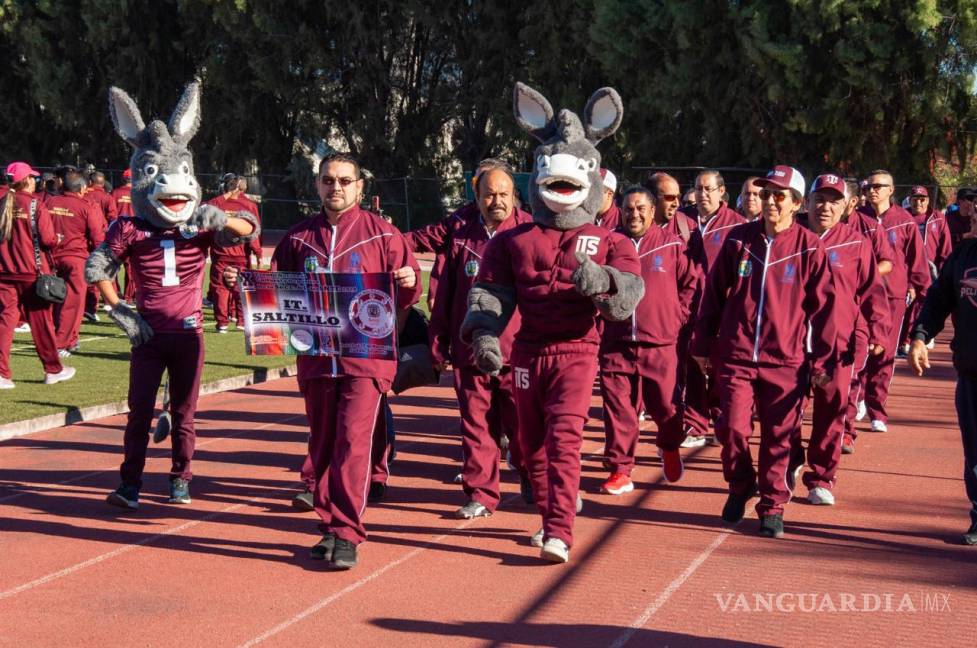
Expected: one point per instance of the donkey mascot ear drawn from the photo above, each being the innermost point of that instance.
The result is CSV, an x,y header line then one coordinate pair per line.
x,y
186,116
603,114
125,116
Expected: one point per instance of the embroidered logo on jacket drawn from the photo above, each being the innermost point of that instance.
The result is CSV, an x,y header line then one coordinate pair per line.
x,y
471,268
659,263
745,269
312,264
892,237
790,274
968,286
834,259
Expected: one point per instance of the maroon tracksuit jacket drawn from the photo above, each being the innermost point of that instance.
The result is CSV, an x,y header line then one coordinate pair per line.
x,y
225,300
436,237
611,219
18,272
485,402
554,356
937,245
105,202
761,297
859,294
713,232
342,395
123,200
82,229
639,356
909,268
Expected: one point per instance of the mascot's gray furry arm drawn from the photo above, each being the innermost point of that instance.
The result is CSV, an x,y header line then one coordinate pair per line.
x,y
165,192
567,155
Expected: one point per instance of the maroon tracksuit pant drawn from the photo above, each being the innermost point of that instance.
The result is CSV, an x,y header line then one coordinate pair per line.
x,y
181,355
778,393
226,300
20,294
912,312
342,415
553,394
380,454
67,315
633,373
856,391
828,428
488,412
878,372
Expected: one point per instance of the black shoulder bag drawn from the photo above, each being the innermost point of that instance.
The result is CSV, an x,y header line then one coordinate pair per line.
x,y
49,287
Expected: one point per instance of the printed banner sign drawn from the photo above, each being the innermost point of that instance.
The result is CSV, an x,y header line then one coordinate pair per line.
x,y
321,314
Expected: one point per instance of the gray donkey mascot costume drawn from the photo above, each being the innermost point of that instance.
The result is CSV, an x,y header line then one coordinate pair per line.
x,y
563,272
166,243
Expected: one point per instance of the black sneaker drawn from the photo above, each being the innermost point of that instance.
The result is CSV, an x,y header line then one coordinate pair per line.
x,y
772,526
378,490
323,549
303,501
179,491
526,490
343,554
124,496
735,507
970,537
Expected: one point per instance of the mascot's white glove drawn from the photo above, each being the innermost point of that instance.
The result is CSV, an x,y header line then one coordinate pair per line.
x,y
488,354
131,323
209,218
589,278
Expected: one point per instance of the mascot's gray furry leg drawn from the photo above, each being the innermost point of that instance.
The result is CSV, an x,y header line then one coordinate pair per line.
x,y
165,422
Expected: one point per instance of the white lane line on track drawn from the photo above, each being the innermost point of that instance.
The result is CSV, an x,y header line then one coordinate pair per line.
x,y
332,598
30,347
127,548
666,594
79,478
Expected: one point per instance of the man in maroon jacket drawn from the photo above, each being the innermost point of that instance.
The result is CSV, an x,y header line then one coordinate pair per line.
x,y
909,277
610,214
937,244
342,395
769,281
97,194
714,220
858,293
82,228
486,405
123,201
749,201
639,356
227,301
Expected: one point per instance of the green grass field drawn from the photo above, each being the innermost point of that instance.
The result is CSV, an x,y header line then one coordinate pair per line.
x,y
103,368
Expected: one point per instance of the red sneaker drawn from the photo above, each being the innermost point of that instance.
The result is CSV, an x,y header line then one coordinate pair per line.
x,y
617,484
847,444
672,465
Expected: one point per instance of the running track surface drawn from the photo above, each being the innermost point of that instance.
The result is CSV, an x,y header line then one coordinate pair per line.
x,y
654,567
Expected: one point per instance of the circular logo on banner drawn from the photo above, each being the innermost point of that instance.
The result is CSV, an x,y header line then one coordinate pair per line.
x,y
301,340
372,313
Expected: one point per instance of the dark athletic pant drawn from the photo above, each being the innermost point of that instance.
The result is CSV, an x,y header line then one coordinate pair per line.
x,y
966,401
181,355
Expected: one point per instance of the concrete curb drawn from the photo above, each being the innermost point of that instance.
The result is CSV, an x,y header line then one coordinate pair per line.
x,y
80,415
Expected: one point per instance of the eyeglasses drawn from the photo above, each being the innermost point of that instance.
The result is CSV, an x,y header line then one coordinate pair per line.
x,y
877,186
706,190
342,182
778,196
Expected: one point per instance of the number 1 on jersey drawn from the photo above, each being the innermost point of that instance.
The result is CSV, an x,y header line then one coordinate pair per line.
x,y
170,277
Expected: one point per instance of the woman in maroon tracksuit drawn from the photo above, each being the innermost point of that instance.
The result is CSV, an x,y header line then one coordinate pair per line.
x,y
769,284
18,274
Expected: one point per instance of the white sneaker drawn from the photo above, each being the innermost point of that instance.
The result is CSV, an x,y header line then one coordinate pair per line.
x,y
931,344
821,496
536,539
879,426
222,329
694,441
459,478
861,411
64,353
23,328
66,373
6,383
555,550
579,502
106,308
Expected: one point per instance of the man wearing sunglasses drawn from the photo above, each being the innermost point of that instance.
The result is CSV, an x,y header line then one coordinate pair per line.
x,y
769,282
859,294
714,220
909,277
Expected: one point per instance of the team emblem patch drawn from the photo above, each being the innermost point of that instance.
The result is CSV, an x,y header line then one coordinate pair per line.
x,y
745,269
834,259
354,260
312,264
189,231
892,237
968,286
790,273
372,313
471,268
658,262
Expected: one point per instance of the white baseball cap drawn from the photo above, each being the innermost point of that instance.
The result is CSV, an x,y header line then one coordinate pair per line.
x,y
610,180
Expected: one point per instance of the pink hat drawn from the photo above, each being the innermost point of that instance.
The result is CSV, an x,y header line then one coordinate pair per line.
x,y
610,180
829,181
17,171
783,177
919,190
127,174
